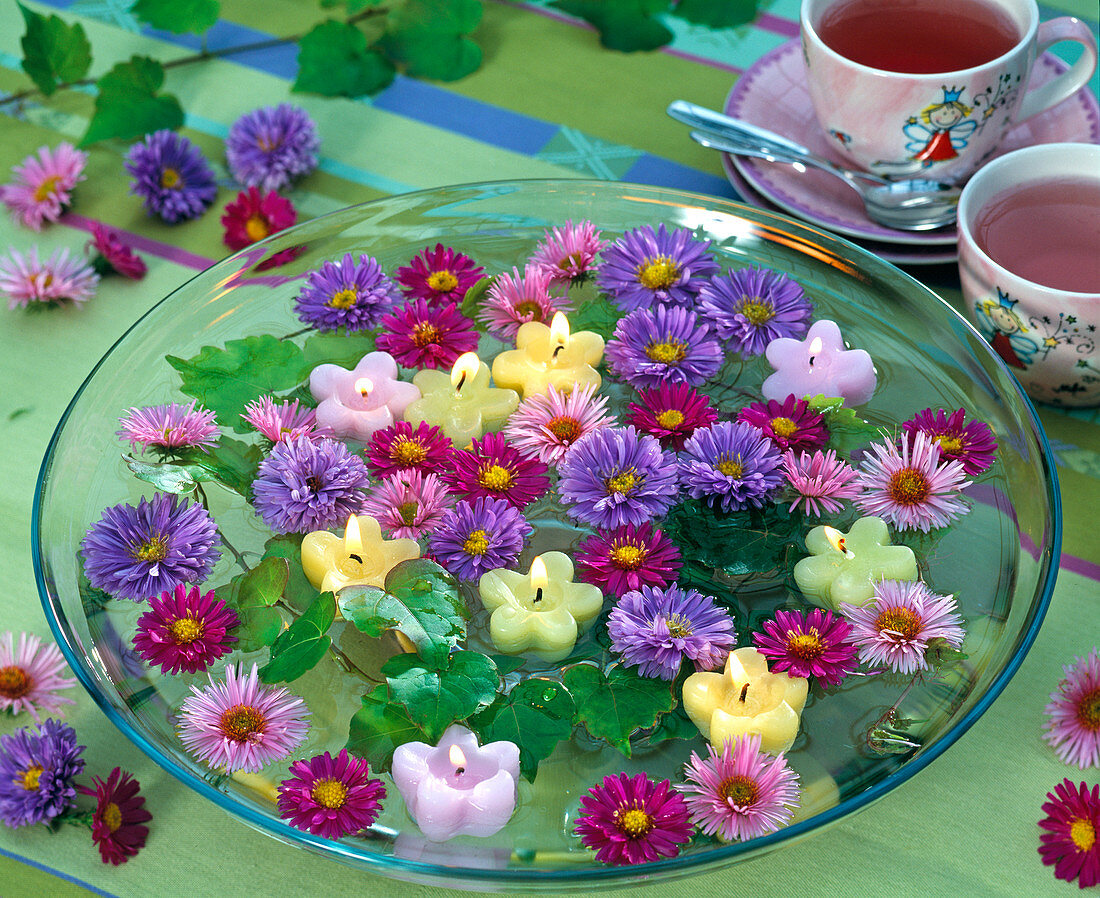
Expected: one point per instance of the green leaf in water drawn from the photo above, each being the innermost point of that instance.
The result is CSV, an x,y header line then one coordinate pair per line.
x,y
170,477
335,348
473,299
304,643
378,727
435,698
299,592
613,706
230,462
597,314
252,595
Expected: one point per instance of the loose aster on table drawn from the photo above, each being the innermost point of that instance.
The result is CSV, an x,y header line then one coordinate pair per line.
x,y
31,676
671,413
279,422
739,793
185,631
627,558
808,644
646,267
252,217
37,767
491,467
138,552
655,629
170,426
57,280
568,254
1073,714
731,466
751,307
514,299
439,275
349,293
42,186
118,822
790,424
663,345
241,724
331,797
1071,842
546,425
420,335
632,820
894,628
971,443
409,504
272,146
171,176
110,255
475,537
820,481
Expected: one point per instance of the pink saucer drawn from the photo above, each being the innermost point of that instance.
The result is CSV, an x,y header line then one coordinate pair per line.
x,y
773,95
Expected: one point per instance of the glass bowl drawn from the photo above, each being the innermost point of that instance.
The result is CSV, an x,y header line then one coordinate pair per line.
x,y
999,560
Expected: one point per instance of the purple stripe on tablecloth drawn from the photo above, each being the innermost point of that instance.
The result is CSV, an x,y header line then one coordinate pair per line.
x,y
54,872
142,243
1079,566
767,22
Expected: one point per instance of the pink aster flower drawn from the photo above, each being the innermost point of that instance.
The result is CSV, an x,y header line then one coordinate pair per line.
x,y
402,447
185,630
627,558
283,421
1073,715
547,424
671,413
790,424
427,336
409,504
42,188
569,253
241,724
252,216
804,645
631,820
1071,843
439,275
739,793
494,469
894,628
331,797
112,256
909,486
170,426
59,279
30,676
820,479
515,299
971,443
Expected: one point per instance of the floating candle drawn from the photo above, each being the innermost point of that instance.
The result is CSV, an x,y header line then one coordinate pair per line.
x,y
461,403
359,556
541,612
746,698
820,364
844,567
549,357
354,404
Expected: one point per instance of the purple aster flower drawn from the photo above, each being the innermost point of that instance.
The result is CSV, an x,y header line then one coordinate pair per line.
x,y
479,536
171,426
821,480
970,443
439,275
490,467
908,486
790,424
664,345
284,421
185,630
409,504
671,413
808,644
751,307
270,147
306,485
402,447
241,724
171,176
31,676
427,336
730,465
627,558
135,553
349,294
646,267
37,767
633,820
514,299
568,253
546,425
614,477
331,797
1073,715
57,280
894,628
739,793
655,629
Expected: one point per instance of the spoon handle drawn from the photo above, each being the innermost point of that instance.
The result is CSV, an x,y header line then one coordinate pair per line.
x,y
725,126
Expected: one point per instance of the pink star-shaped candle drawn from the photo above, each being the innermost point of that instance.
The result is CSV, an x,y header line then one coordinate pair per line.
x,y
820,364
354,404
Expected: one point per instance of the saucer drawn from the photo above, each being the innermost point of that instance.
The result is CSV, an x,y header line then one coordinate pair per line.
x,y
773,95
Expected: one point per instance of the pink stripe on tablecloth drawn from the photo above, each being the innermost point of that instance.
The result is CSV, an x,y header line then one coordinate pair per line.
x,y
142,243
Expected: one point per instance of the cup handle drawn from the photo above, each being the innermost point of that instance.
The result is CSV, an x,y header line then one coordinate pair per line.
x,y
1065,28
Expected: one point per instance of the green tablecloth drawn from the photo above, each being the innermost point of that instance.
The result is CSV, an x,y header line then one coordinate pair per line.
x,y
549,102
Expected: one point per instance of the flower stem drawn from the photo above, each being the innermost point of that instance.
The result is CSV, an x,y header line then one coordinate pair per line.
x,y
343,660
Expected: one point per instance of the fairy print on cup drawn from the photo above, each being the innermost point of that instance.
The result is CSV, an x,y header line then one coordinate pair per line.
x,y
1004,329
941,129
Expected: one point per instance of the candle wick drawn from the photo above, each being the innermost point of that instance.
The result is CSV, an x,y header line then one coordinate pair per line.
x,y
538,594
558,349
744,692
461,381
459,771
811,361
356,558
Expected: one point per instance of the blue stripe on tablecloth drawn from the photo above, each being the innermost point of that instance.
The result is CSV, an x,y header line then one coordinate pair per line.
x,y
54,872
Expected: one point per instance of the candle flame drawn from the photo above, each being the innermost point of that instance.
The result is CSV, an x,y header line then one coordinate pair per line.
x,y
559,330
815,346
457,758
837,541
466,366
539,578
364,386
353,540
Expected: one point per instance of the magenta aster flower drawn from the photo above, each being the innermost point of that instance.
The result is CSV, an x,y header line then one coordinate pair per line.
x,y
37,768
814,644
739,793
171,175
1071,843
439,275
57,280
42,186
909,486
789,424
515,299
349,293
646,267
546,425
170,426
241,724
270,147
409,504
729,465
568,254
30,676
402,447
751,307
663,345
894,628
331,797
252,216
284,421
479,536
427,336
112,256
119,818
970,443
631,820
493,468
185,631
671,413
1073,715
820,479
627,558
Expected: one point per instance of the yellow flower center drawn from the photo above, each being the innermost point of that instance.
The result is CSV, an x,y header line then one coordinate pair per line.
x,y
1082,833
14,682
738,791
628,558
424,334
408,452
908,487
28,779
112,816
564,427
633,822
529,307
344,299
44,190
495,477
170,179
658,273
185,629
731,467
670,418
266,145
1088,711
903,621
329,793
153,549
408,511
477,543
241,723
806,646
256,227
679,627
783,427
668,353
950,445
623,482
756,311
442,281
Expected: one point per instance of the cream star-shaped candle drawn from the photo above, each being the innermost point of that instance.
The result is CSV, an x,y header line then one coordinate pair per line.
x,y
358,556
547,357
461,403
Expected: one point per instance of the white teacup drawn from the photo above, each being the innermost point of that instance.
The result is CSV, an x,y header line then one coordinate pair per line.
x,y
1049,336
951,121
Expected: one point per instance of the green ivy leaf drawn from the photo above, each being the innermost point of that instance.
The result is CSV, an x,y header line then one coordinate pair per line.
x,y
299,592
178,16
129,104
335,61
847,430
427,38
251,595
625,25
303,644
674,725
54,52
471,302
536,715
336,348
434,698
597,314
170,477
232,463
716,13
378,727
613,706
